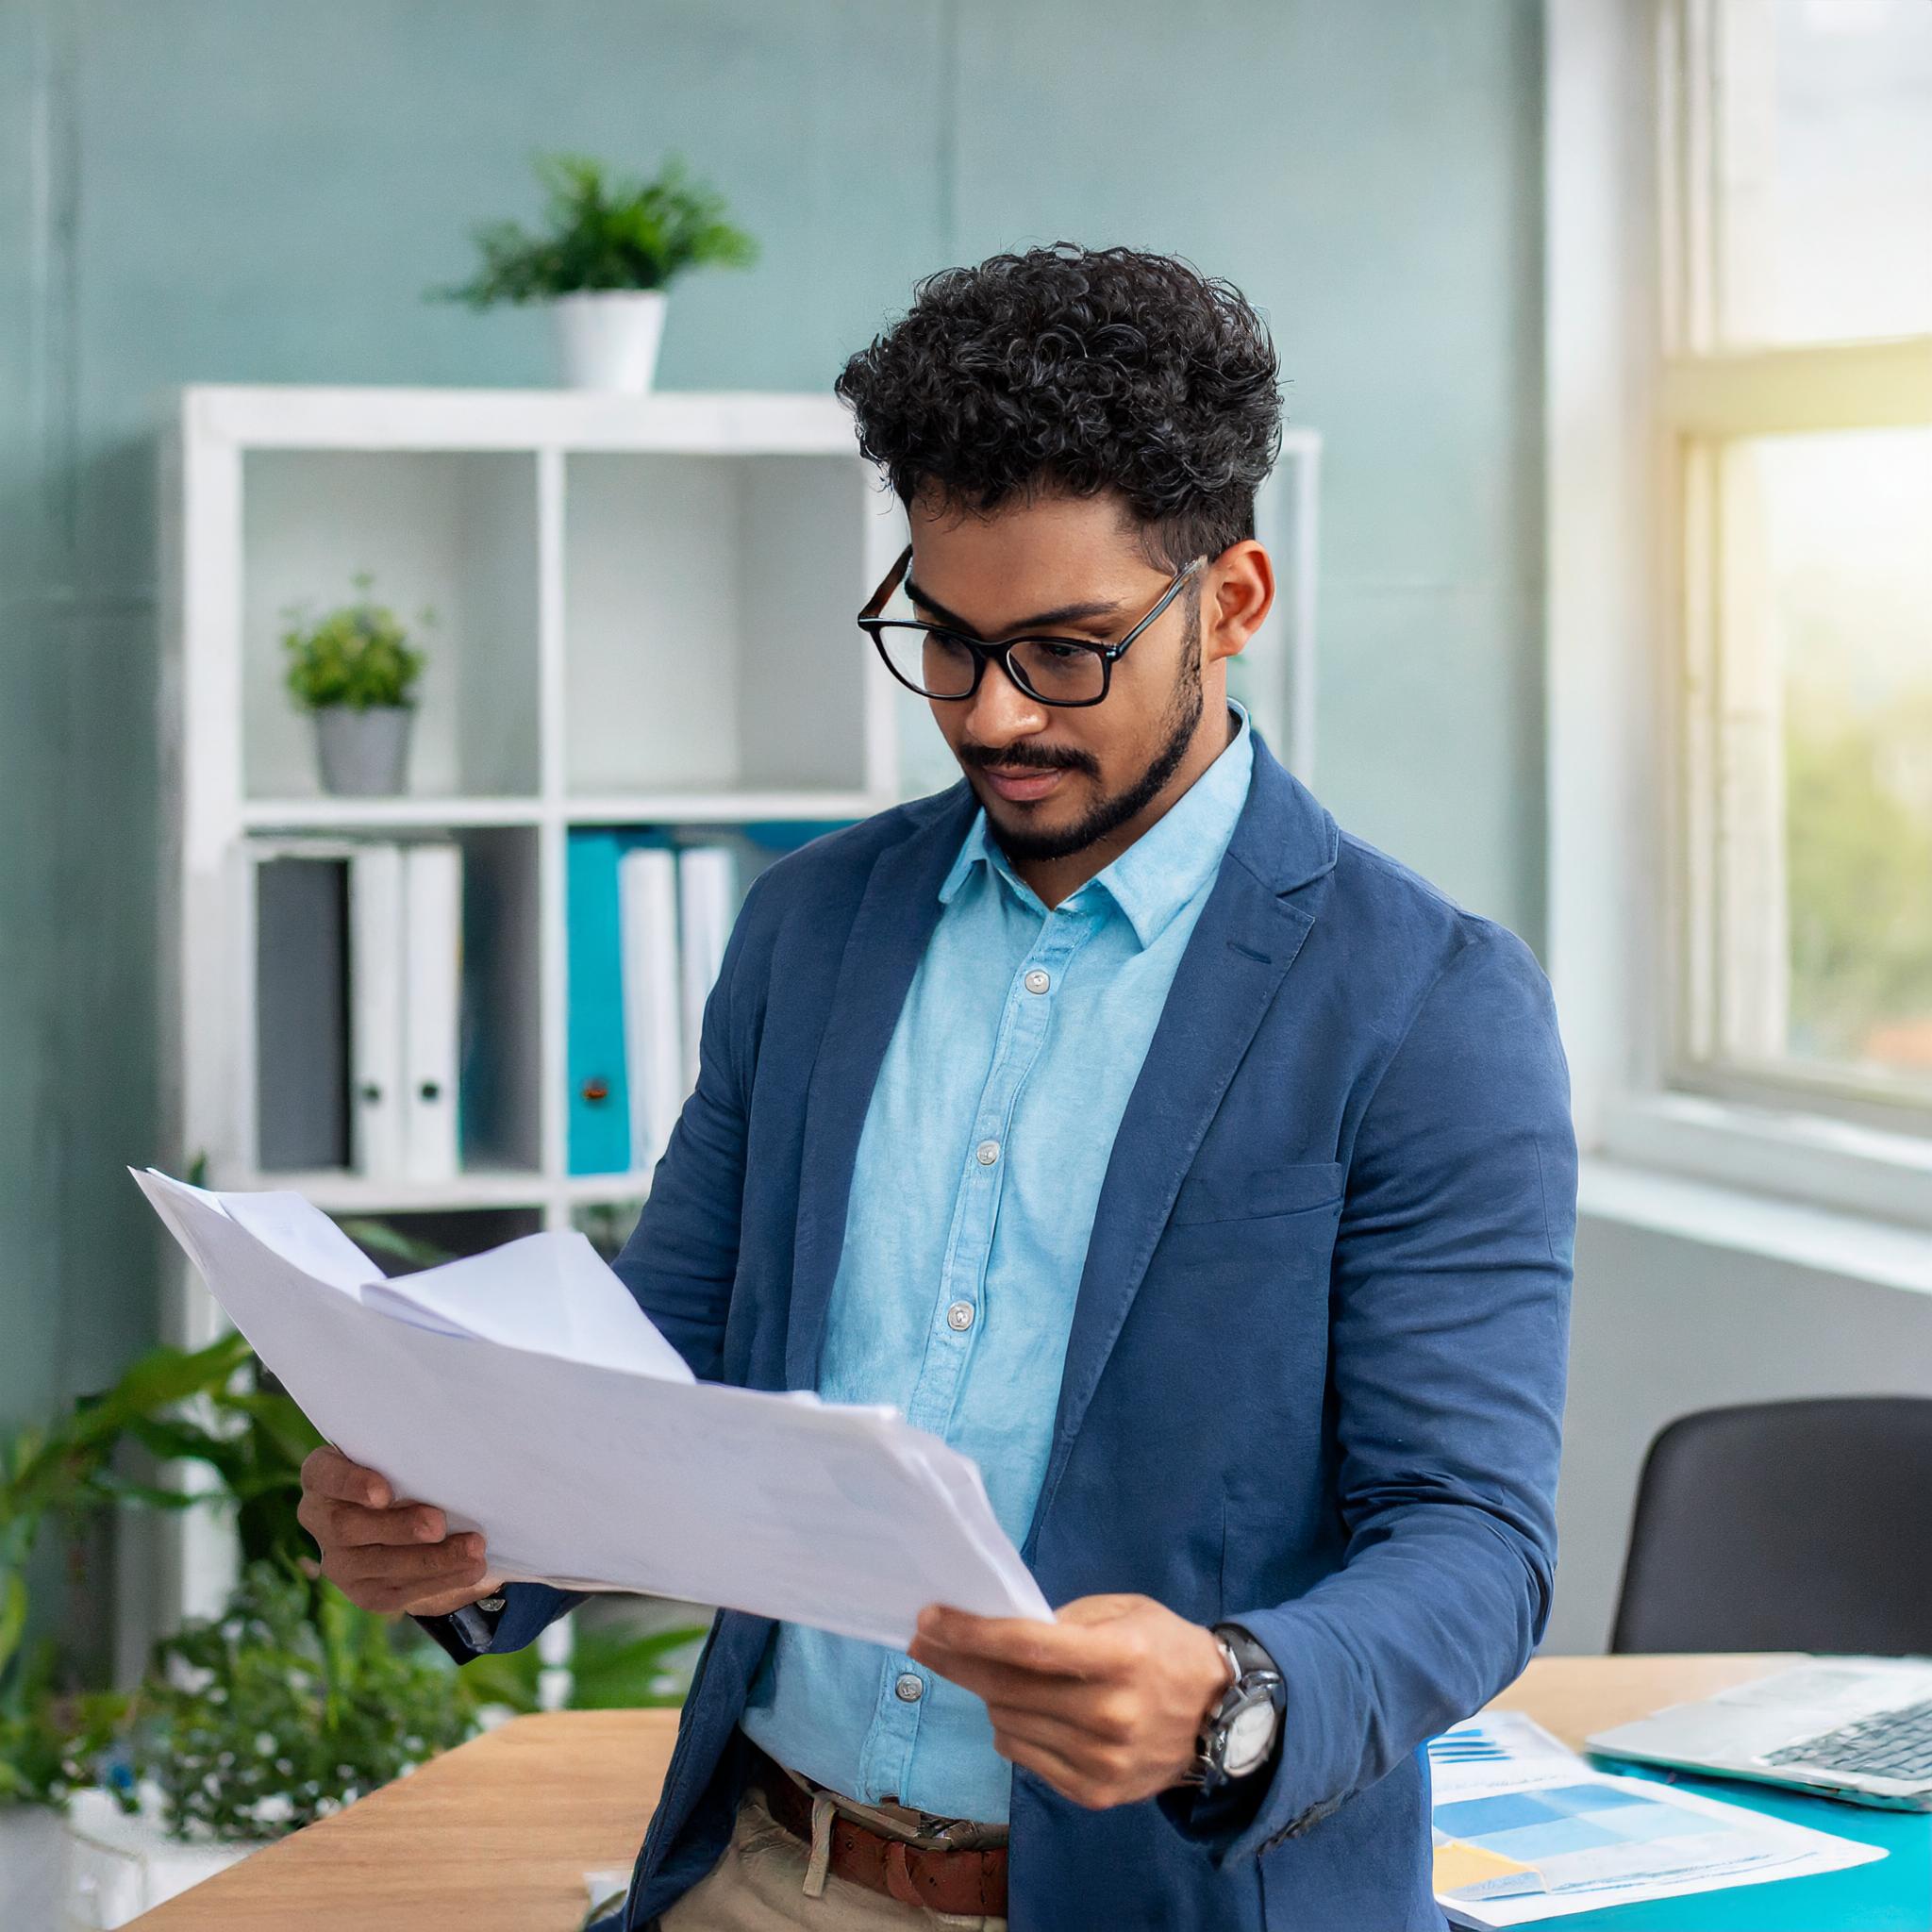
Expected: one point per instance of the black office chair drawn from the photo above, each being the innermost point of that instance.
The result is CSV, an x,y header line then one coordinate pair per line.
x,y
1785,1525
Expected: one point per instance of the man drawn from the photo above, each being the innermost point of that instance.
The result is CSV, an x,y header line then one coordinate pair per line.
x,y
1201,1172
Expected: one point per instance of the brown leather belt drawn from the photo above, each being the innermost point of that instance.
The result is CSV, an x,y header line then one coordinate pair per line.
x,y
942,1881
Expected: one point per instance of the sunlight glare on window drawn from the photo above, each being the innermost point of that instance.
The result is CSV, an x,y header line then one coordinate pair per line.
x,y
1845,526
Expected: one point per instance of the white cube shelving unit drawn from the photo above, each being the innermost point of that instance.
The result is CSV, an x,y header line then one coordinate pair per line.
x,y
643,616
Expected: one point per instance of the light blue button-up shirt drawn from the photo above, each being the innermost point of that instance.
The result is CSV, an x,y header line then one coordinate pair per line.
x,y
974,1191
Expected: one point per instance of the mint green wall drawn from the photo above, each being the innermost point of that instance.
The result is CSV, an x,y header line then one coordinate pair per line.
x,y
256,190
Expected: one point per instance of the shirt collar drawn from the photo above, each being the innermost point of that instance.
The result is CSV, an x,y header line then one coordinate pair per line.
x,y
1162,869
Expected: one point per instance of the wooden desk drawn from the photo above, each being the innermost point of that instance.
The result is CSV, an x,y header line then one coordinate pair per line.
x,y
496,1835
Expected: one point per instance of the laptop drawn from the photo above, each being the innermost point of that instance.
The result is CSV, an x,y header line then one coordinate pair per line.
x,y
1857,1727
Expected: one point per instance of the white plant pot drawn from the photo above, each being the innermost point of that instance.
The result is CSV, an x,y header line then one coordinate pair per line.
x,y
608,338
33,1869
120,1866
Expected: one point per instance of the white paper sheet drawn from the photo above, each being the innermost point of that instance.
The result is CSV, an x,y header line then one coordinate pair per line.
x,y
300,1233
1527,1830
526,1394
550,1294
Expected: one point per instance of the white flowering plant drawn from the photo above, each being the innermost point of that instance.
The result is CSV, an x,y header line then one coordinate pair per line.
x,y
287,1707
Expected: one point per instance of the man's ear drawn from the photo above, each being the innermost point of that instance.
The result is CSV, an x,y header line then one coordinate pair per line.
x,y
1240,594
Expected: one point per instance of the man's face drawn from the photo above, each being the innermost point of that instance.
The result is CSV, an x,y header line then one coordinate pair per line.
x,y
1055,778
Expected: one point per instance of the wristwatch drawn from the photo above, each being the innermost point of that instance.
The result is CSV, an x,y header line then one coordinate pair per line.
x,y
1238,1736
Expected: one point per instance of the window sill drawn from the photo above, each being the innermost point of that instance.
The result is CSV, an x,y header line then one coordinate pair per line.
x,y
1818,1192
1786,1153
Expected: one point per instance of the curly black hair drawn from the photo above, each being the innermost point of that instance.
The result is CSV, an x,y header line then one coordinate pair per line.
x,y
1080,370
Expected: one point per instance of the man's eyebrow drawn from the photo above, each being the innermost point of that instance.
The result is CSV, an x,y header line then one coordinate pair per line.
x,y
1065,613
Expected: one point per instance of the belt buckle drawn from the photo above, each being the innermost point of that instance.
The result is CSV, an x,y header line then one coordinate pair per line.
x,y
899,1883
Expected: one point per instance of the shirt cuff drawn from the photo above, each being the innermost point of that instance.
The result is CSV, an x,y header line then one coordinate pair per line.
x,y
466,1632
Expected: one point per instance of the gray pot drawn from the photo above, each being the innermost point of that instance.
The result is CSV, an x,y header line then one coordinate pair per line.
x,y
363,753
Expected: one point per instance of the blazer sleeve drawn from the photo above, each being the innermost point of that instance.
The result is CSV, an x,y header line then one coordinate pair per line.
x,y
1449,1327
682,1255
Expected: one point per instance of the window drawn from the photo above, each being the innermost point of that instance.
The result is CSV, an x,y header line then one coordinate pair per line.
x,y
1797,398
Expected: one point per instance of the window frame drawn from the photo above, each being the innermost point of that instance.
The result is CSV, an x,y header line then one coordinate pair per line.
x,y
1638,402
1712,399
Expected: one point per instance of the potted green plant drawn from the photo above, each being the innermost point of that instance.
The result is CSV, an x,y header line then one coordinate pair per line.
x,y
611,250
355,671
52,1731
288,1705
60,1826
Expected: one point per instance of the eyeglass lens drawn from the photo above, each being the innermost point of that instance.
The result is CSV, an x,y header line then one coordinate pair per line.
x,y
941,667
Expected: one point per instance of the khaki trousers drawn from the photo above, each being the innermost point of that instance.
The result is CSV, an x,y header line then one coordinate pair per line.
x,y
760,1885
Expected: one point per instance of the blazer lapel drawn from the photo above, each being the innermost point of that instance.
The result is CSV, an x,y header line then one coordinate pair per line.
x,y
1241,949
895,918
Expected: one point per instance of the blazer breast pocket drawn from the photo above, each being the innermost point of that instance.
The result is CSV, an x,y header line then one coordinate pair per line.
x,y
1294,1188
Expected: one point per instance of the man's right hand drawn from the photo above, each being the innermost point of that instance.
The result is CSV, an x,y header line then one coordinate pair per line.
x,y
381,1553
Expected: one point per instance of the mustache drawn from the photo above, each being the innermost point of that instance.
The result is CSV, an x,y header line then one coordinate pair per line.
x,y
1024,757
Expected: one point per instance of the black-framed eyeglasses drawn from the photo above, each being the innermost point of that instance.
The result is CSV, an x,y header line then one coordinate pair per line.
x,y
938,662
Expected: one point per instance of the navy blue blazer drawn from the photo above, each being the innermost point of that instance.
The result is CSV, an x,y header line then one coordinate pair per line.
x,y
1315,1377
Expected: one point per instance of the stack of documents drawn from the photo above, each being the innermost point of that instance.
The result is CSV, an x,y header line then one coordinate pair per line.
x,y
1525,1831
526,1394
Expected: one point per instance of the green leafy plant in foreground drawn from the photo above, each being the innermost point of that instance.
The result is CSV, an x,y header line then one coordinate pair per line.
x,y
359,655
190,1404
49,1741
288,1705
373,1692
605,231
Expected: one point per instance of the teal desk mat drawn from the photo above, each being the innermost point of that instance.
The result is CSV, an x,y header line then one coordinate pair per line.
x,y
1890,1894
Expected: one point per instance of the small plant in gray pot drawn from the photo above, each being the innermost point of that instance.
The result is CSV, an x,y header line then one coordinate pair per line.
x,y
612,249
355,671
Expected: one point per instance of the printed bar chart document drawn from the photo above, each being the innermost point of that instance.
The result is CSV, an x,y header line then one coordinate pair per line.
x,y
1525,1831
526,1394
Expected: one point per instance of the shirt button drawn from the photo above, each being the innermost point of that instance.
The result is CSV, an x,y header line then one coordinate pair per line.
x,y
1038,981
959,1317
909,1689
986,1153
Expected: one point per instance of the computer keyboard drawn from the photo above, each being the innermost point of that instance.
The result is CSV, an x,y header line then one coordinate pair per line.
x,y
1893,1743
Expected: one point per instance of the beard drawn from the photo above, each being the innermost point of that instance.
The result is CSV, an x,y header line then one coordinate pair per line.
x,y
1180,722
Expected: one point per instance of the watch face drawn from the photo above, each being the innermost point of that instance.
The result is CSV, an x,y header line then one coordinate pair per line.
x,y
1249,1736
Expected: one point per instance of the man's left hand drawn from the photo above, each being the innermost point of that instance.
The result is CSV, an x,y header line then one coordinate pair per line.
x,y
1105,1703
